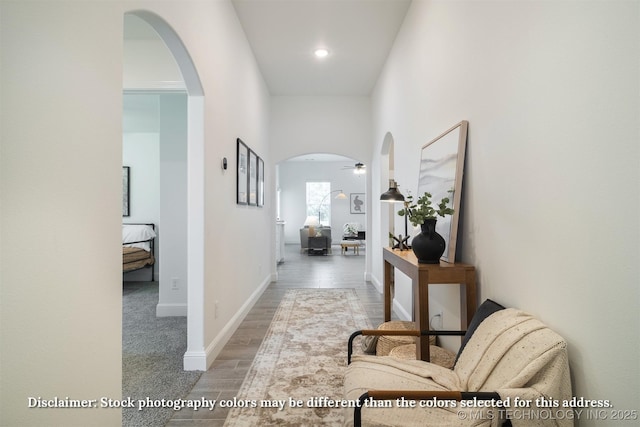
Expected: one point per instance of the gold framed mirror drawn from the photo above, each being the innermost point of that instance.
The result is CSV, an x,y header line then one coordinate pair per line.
x,y
441,172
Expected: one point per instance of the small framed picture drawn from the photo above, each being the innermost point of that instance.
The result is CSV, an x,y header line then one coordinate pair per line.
x,y
260,182
125,191
358,203
242,172
253,178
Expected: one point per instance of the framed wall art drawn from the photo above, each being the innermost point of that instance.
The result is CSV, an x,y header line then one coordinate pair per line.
x,y
357,203
253,178
125,191
242,178
260,182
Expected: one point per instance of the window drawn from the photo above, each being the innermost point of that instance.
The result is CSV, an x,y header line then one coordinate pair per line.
x,y
318,205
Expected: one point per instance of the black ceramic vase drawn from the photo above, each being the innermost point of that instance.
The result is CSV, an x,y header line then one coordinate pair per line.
x,y
428,245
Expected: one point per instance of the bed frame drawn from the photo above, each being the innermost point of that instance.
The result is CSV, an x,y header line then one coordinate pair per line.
x,y
151,250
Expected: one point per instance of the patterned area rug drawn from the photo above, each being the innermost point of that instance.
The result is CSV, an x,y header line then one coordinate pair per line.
x,y
302,358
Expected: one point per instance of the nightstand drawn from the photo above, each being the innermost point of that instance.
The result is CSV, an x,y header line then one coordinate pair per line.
x,y
318,245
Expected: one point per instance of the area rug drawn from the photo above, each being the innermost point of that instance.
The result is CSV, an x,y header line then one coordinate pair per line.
x,y
152,353
301,361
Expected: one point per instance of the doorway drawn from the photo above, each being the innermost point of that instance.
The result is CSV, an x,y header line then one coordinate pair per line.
x,y
193,283
346,186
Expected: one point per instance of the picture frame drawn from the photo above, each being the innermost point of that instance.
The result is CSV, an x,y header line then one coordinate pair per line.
x,y
260,182
242,172
252,184
125,191
357,203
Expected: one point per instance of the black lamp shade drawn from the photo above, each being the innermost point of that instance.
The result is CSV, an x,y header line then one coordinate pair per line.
x,y
392,194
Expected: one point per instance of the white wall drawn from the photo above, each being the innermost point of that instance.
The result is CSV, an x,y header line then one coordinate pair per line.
x,y
60,190
61,165
293,178
239,251
327,124
173,206
551,220
141,153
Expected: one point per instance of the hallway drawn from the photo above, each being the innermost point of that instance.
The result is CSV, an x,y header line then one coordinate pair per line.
x,y
224,378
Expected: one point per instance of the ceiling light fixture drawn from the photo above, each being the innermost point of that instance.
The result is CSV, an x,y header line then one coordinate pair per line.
x,y
321,53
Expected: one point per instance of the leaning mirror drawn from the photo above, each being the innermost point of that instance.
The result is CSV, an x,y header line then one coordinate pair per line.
x,y
441,169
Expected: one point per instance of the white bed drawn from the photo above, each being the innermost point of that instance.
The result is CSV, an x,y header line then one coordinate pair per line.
x,y
138,247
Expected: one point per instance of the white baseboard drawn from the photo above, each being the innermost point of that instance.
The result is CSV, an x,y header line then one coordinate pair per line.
x,y
367,276
194,361
400,311
202,360
171,310
377,284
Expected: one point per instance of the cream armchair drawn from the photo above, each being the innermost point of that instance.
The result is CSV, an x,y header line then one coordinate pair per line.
x,y
507,357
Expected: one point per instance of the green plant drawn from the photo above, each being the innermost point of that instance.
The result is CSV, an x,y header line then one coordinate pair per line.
x,y
350,229
423,209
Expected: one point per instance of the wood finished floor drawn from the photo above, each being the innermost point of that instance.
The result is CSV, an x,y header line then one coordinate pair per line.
x,y
224,378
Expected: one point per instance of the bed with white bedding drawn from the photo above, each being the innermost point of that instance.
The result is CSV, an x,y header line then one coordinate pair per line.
x,y
138,247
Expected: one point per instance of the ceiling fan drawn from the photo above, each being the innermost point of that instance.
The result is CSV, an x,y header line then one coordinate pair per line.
x,y
358,168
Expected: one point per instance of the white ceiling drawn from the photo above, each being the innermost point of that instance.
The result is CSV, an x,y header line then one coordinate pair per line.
x,y
284,33
321,157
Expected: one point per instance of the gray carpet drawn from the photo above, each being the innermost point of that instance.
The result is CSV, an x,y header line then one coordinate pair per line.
x,y
152,351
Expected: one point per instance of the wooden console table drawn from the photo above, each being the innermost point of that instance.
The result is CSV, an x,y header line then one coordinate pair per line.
x,y
422,275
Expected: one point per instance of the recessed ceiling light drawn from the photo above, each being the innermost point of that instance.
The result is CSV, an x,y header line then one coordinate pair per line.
x,y
321,53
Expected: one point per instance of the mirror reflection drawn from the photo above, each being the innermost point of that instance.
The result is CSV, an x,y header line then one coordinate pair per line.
x,y
441,168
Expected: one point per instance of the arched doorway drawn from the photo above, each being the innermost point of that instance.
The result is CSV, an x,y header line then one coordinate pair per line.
x,y
339,173
194,358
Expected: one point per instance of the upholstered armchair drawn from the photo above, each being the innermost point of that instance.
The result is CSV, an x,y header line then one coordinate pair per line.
x,y
507,356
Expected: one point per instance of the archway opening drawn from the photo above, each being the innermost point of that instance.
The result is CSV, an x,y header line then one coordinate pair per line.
x,y
341,175
194,358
